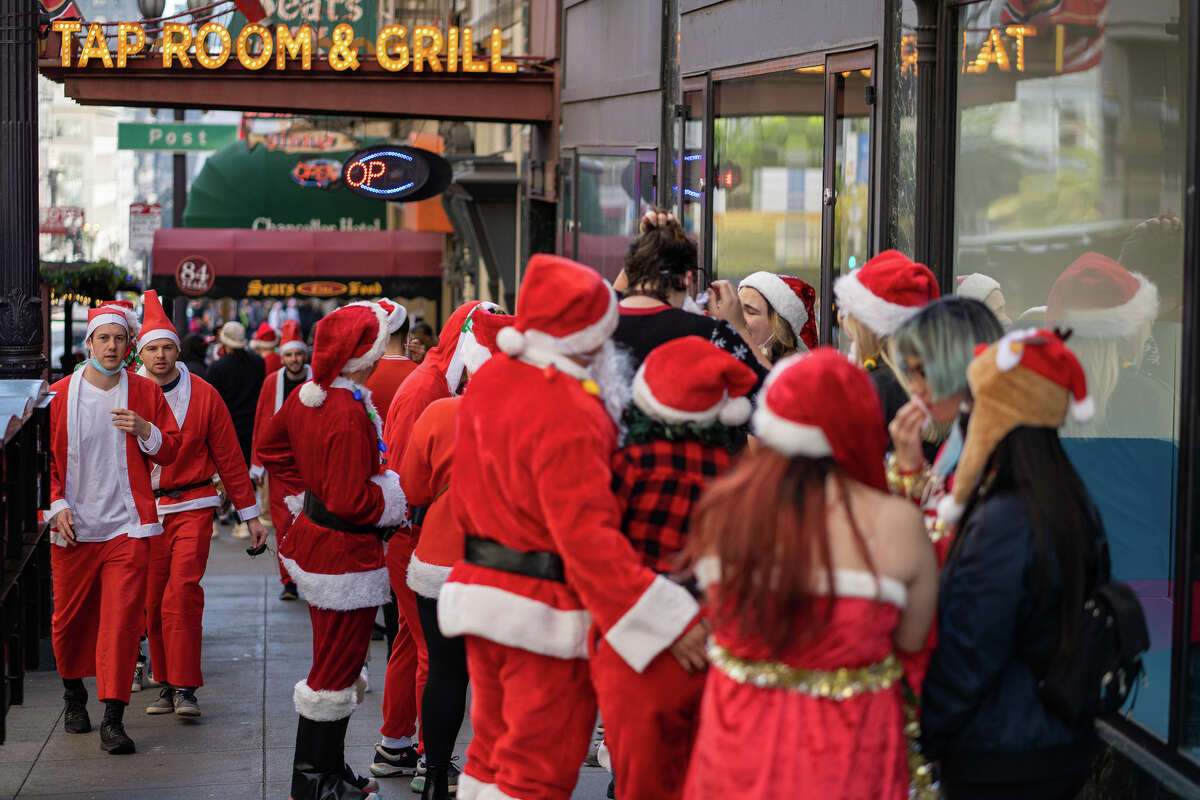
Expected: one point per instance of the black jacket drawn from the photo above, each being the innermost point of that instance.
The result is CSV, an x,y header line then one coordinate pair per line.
x,y
238,377
980,713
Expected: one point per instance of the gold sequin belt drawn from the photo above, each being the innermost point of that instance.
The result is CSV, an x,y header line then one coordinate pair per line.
x,y
838,684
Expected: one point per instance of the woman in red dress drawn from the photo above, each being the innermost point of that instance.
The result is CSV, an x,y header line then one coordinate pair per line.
x,y
817,580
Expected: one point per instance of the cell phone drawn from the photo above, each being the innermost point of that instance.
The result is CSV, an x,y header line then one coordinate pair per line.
x,y
256,551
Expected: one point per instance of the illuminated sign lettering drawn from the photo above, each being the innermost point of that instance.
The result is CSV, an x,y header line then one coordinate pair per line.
x,y
428,51
316,171
396,173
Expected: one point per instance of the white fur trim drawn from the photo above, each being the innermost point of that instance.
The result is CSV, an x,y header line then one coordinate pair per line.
x,y
707,571
395,320
735,412
510,341
324,705
474,355
294,503
513,620
249,512
159,333
789,438
312,395
426,579
493,792
294,344
644,399
950,510
113,318
470,788
153,442
257,471
653,623
395,509
1116,322
781,297
377,349
342,382
976,286
584,340
541,350
868,308
1083,410
345,591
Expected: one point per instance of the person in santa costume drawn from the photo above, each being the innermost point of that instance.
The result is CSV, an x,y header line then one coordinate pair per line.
x,y
689,400
777,311
265,342
817,579
466,341
395,366
544,556
328,439
108,428
186,501
872,303
275,390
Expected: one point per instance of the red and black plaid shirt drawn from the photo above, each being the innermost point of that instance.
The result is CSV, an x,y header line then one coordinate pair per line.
x,y
657,484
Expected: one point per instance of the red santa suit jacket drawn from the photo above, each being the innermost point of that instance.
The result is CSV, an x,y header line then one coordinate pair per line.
x,y
425,479
531,471
208,444
132,484
333,451
270,400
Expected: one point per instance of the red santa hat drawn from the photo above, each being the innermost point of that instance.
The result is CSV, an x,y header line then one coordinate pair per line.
x,y
156,323
886,291
564,308
692,380
792,299
350,339
396,314
1028,378
265,337
291,338
477,338
109,313
1097,298
131,316
819,405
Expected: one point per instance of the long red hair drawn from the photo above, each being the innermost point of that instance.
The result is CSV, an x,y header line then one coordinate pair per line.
x,y
766,523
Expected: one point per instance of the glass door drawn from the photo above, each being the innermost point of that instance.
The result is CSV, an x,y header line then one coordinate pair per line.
x,y
566,204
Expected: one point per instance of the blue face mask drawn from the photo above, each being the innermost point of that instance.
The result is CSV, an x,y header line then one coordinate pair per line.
x,y
101,368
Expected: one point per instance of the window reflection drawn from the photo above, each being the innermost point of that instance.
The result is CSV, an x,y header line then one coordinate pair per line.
x,y
607,211
1068,186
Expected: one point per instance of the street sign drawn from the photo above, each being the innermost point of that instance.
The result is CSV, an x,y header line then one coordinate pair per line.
x,y
60,220
174,136
144,220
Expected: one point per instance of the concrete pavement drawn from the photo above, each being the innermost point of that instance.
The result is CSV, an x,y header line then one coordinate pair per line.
x,y
255,649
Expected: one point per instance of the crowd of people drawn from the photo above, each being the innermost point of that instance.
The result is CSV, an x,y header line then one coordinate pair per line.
x,y
770,568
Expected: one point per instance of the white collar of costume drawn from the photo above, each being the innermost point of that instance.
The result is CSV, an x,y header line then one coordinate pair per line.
x,y
342,382
72,478
179,398
280,377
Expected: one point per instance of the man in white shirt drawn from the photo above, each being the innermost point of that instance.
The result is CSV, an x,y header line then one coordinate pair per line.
x,y
108,428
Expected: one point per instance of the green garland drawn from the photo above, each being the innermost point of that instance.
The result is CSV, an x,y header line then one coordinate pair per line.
x,y
94,280
642,429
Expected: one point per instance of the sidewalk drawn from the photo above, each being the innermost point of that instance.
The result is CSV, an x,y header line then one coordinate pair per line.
x,y
255,649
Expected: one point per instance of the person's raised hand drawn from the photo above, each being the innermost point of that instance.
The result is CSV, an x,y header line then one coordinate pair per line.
x,y
723,303
690,648
128,421
655,219
905,430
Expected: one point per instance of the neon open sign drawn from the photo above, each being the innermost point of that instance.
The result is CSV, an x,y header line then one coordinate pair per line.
x,y
394,172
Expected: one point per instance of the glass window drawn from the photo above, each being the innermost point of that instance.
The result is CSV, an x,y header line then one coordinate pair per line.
x,y
768,148
691,193
902,166
607,211
1069,184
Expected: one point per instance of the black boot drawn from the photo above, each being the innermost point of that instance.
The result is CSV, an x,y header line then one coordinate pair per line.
x,y
113,738
319,765
75,715
436,784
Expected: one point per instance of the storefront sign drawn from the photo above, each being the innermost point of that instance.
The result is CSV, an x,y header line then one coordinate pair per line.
x,y
179,137
302,141
60,220
396,173
315,224
258,46
144,220
318,172
195,275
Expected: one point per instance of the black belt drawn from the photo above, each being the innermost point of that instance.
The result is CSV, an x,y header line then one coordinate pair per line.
x,y
489,553
316,511
177,492
416,514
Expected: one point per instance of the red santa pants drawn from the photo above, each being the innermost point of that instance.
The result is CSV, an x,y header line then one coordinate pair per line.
x,y
281,520
340,643
650,721
174,598
533,717
97,619
408,663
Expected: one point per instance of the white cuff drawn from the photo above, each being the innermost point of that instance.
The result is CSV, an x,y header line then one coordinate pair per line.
x,y
394,506
151,445
653,624
55,507
248,513
257,471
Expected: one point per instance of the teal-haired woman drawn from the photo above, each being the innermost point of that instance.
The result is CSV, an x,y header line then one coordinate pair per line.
x,y
932,351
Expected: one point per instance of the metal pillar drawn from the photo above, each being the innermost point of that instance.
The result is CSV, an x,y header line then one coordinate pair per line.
x,y
178,203
21,336
926,230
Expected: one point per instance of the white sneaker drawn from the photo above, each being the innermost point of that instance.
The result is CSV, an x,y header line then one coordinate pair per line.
x,y
365,677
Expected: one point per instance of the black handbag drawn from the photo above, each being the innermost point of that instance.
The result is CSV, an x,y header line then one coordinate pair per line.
x,y
1106,664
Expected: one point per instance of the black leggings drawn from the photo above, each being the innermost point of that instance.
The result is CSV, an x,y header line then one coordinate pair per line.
x,y
444,704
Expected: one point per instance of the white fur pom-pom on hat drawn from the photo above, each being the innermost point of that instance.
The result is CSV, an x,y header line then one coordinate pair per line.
x,y
312,395
511,341
736,412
